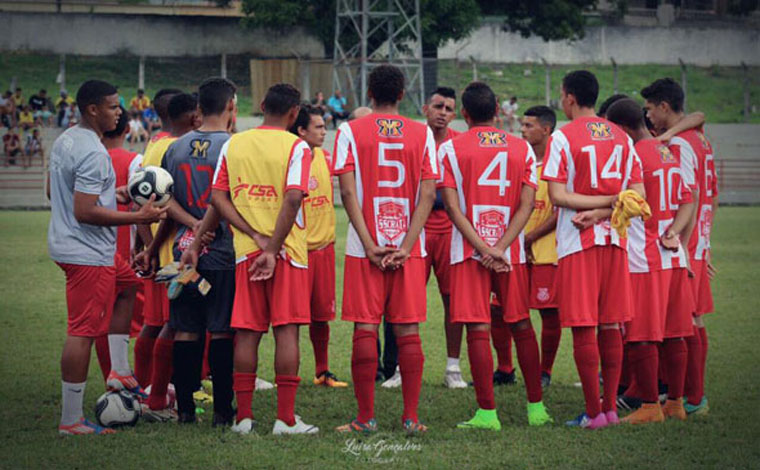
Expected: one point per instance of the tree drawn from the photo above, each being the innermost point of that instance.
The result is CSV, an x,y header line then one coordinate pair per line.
x,y
549,19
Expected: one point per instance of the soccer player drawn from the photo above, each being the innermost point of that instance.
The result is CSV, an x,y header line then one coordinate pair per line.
x,y
662,299
387,169
260,182
320,237
82,239
588,163
488,186
664,104
540,241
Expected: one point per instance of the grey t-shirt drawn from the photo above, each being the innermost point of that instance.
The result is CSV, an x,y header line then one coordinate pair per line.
x,y
80,162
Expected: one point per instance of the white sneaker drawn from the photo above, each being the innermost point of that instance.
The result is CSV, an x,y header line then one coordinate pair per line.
x,y
299,428
262,384
246,426
453,378
393,382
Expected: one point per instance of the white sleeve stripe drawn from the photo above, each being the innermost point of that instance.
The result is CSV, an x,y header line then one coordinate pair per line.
x,y
342,146
559,143
295,167
632,157
530,158
430,152
222,157
688,159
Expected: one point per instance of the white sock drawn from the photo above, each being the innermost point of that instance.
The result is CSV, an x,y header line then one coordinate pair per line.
x,y
118,347
72,396
452,361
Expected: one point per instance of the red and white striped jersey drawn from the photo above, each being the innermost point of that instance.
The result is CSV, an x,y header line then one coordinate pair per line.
x,y
594,157
695,153
488,168
390,156
665,192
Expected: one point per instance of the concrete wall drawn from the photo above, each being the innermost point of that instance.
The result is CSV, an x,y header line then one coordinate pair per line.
x,y
702,46
84,34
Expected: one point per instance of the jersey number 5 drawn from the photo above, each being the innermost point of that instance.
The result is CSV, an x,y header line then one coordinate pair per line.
x,y
383,160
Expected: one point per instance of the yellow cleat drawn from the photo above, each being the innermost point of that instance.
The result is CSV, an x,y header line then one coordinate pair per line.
x,y
200,396
648,413
674,409
328,379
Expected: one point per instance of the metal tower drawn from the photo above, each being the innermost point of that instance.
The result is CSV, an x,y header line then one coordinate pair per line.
x,y
372,32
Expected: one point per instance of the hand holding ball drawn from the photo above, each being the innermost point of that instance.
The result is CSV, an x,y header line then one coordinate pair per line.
x,y
151,180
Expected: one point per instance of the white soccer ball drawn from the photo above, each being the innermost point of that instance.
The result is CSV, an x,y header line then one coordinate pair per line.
x,y
115,409
151,180
171,396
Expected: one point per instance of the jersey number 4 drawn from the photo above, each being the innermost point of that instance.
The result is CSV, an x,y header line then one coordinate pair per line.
x,y
611,169
499,166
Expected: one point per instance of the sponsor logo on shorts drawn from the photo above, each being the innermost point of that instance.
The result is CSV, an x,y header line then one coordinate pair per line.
x,y
490,226
390,127
391,220
492,139
599,131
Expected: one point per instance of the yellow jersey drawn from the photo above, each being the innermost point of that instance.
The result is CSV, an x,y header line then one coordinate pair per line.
x,y
257,167
319,208
545,248
154,156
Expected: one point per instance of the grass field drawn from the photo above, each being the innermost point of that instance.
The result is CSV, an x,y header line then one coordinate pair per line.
x,y
33,320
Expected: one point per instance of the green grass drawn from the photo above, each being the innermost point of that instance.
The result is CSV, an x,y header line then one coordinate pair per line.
x,y
33,321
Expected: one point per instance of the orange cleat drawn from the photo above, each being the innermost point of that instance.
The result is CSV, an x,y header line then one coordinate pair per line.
x,y
674,409
328,379
648,413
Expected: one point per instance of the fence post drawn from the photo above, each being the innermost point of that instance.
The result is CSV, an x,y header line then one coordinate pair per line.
x,y
548,82
683,82
474,69
746,92
62,73
224,65
614,76
141,73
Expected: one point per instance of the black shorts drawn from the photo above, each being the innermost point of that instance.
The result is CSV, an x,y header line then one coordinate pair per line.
x,y
192,312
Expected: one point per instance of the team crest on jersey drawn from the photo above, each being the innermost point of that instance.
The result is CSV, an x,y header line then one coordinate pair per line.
x,y
543,294
704,141
390,127
313,183
492,139
391,220
599,131
490,226
666,155
199,148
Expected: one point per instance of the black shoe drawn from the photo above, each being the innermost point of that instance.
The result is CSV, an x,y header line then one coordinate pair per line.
x,y
628,403
186,418
546,379
224,420
504,378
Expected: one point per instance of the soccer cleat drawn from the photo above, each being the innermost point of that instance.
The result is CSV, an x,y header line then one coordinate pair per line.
x,y
537,415
453,378
186,418
116,382
612,418
394,381
628,403
701,409
83,426
414,427
158,416
328,379
546,379
674,409
262,384
583,421
220,419
202,397
208,386
244,427
504,378
648,413
298,428
357,426
483,419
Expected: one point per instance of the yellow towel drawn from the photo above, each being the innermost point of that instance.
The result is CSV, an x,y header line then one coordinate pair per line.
x,y
629,204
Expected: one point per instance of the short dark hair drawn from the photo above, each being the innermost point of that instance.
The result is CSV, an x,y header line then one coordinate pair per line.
x,y
667,90
627,113
161,101
181,104
43,91
444,91
608,102
479,100
386,83
304,117
214,94
93,92
544,114
281,98
140,91
121,126
583,85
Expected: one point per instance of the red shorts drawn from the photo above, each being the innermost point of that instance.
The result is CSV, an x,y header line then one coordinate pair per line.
x,y
156,304
125,276
594,287
650,293
679,323
90,295
322,283
369,293
701,288
280,300
471,294
438,247
543,291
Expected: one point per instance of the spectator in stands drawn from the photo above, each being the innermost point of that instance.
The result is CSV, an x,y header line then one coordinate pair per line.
x,y
319,102
509,110
7,109
18,99
71,116
337,106
137,132
26,118
140,102
43,117
150,119
36,102
61,105
33,147
11,145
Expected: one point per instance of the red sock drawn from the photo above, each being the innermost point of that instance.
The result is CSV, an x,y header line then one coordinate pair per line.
x,y
363,371
104,355
611,354
530,366
662,371
320,337
243,384
551,332
144,359
676,357
586,353
287,386
644,365
410,362
481,367
694,385
502,343
703,340
162,373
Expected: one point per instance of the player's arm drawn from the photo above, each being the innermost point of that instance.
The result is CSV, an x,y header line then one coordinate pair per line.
x,y
177,213
204,231
263,266
221,201
88,211
561,197
690,121
519,219
670,239
542,230
419,217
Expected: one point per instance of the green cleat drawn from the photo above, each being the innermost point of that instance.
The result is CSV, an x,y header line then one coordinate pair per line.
x,y
483,419
537,415
698,410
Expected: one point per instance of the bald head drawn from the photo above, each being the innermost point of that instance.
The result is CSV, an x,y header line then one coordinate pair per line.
x,y
360,112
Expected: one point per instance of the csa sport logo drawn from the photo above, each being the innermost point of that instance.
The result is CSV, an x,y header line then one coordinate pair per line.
x,y
599,131
390,127
492,139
